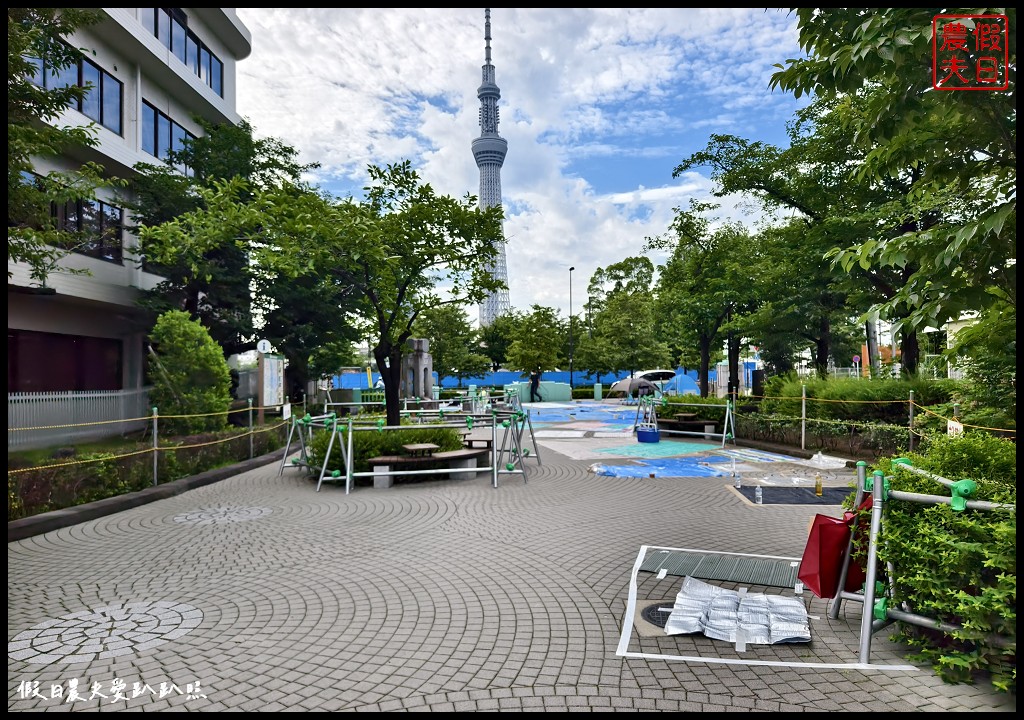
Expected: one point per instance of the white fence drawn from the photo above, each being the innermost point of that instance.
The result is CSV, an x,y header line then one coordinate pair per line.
x,y
49,419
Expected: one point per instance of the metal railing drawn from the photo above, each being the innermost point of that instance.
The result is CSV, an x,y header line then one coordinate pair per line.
x,y
44,419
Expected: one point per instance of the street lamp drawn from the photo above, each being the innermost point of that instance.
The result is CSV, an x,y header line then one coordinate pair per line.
x,y
570,332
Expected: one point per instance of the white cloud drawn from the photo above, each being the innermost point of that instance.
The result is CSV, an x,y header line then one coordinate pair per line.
x,y
597,106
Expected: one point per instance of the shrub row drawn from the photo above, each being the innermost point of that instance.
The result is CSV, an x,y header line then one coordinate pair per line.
x,y
96,476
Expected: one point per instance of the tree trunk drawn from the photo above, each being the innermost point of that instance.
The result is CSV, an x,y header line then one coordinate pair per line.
x,y
705,365
389,363
822,347
873,360
910,354
733,347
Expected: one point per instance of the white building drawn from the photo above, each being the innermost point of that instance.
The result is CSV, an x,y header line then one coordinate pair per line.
x,y
152,70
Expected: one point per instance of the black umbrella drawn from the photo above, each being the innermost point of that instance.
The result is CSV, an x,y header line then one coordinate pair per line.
x,y
641,387
634,386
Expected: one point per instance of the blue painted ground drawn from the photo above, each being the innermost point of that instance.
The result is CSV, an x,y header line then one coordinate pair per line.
x,y
666,467
614,416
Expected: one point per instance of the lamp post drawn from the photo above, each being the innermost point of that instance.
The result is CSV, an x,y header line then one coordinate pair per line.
x,y
570,333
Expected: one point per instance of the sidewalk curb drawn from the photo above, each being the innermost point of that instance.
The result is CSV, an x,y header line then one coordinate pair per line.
x,y
66,517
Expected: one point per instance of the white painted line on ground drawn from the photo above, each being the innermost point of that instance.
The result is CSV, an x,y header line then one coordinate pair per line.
x,y
627,629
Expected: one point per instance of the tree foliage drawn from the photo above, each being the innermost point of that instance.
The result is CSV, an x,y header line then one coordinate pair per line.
x,y
705,280
963,142
454,344
401,250
539,342
219,285
189,375
621,327
497,336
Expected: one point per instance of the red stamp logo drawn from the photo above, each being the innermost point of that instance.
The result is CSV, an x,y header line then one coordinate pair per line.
x,y
970,52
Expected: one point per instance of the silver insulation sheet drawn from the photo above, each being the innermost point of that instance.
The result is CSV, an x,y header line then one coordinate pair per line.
x,y
752,618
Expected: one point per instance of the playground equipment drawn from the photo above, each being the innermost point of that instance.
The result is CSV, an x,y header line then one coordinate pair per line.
x,y
301,431
728,424
511,456
646,421
875,595
507,458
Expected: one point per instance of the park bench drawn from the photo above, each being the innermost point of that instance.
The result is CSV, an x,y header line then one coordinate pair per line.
x,y
461,463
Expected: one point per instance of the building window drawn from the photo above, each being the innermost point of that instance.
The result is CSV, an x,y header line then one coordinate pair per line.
x,y
103,99
170,26
97,225
50,362
161,135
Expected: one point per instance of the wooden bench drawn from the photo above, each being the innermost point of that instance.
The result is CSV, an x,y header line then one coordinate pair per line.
x,y
462,463
485,443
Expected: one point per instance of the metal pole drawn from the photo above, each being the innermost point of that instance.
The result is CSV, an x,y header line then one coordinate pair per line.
x,y
156,444
494,449
570,334
803,417
862,474
349,461
867,612
910,426
250,429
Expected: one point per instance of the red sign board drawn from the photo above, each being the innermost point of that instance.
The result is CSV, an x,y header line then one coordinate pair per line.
x,y
970,52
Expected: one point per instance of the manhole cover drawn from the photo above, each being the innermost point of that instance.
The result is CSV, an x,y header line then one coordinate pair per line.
x,y
657,614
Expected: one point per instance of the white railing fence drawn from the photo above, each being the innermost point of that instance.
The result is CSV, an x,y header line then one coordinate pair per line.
x,y
55,418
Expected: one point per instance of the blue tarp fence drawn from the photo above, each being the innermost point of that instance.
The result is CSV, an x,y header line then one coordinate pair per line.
x,y
683,383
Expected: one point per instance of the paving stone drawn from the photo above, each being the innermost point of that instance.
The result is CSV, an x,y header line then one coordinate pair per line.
x,y
436,595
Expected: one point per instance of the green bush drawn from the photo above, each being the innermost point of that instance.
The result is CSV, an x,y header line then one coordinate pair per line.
x,y
373,443
856,399
189,376
960,567
96,476
711,408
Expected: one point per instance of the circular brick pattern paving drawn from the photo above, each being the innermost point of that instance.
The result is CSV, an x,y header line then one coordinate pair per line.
x,y
104,632
218,516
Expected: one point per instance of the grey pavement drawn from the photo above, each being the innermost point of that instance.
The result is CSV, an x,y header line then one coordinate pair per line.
x,y
259,593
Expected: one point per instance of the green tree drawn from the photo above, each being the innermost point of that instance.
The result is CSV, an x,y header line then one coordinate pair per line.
x,y
625,329
36,56
453,342
833,208
700,285
540,342
220,285
497,336
189,375
401,250
964,143
621,328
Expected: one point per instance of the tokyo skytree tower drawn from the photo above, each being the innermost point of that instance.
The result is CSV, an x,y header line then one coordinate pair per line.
x,y
489,151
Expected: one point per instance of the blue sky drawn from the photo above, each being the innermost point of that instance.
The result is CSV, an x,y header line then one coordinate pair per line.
x,y
598,107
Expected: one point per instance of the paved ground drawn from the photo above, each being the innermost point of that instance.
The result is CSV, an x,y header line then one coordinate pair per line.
x,y
258,593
